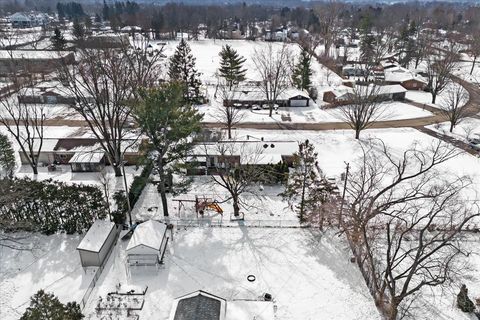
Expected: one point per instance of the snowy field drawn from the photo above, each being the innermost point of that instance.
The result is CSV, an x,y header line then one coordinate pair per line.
x,y
52,265
308,273
463,68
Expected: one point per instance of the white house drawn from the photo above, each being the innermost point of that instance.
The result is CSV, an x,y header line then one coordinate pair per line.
x,y
148,243
23,20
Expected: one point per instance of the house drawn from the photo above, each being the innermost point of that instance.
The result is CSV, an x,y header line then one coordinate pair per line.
x,y
354,70
338,95
49,92
249,97
33,61
28,20
343,95
148,244
406,78
203,305
391,92
206,158
82,154
97,243
107,40
279,34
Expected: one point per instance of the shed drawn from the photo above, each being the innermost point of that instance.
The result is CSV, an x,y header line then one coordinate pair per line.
x,y
87,161
96,244
148,243
199,305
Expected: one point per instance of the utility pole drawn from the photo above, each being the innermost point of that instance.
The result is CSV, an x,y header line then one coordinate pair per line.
x,y
340,218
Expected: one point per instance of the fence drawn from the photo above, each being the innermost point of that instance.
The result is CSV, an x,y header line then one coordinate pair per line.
x,y
231,223
98,272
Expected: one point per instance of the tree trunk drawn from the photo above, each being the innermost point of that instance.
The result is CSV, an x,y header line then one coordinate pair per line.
x,y
452,124
229,129
236,207
270,108
473,64
161,186
357,134
434,97
118,170
35,169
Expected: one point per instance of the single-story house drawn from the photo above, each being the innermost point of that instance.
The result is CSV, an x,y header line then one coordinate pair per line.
x,y
203,305
338,95
28,20
405,78
50,92
82,154
354,70
248,97
148,244
97,243
343,95
391,92
33,61
109,40
207,158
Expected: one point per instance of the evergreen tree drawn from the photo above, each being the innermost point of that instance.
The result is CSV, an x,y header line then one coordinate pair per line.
x,y
303,71
182,68
58,41
231,66
305,190
78,30
105,11
463,301
169,121
7,156
46,306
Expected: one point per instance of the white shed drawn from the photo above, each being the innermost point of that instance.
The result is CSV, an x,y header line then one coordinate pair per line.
x,y
148,243
96,244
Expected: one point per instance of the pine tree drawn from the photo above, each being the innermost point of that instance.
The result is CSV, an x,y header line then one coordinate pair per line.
x,y
182,68
169,121
78,30
231,66
7,156
46,306
463,301
305,190
58,41
303,71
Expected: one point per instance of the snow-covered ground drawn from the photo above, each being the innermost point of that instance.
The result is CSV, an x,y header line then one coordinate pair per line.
x,y
462,69
467,128
392,110
442,100
308,273
52,265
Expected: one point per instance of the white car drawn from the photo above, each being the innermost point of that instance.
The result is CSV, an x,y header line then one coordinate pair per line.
x,y
474,142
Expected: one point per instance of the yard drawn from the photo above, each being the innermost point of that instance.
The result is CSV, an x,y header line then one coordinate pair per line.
x,y
308,273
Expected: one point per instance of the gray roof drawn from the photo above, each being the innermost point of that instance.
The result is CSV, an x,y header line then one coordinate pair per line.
x,y
199,307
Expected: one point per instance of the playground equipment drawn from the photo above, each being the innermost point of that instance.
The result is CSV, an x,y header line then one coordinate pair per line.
x,y
201,204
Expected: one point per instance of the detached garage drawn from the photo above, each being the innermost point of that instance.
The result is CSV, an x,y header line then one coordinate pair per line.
x,y
148,244
96,244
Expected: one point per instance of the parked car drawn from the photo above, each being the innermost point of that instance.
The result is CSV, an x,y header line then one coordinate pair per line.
x,y
474,142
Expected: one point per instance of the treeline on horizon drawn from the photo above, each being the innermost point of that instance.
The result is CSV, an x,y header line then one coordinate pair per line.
x,y
174,16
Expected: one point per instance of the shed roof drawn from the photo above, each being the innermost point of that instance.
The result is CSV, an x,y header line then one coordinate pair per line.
x,y
149,234
87,157
96,236
199,305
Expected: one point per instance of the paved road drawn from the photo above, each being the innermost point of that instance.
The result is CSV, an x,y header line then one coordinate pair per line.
x,y
455,142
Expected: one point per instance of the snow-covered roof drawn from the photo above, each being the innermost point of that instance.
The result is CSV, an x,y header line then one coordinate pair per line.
x,y
399,74
87,157
33,54
248,310
96,236
391,89
250,152
198,305
258,95
149,234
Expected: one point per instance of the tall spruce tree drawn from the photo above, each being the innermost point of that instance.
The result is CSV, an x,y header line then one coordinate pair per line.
x,y
7,157
305,190
303,71
78,30
182,68
169,121
58,41
231,66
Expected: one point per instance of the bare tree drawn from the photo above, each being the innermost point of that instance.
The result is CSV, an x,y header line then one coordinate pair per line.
x,y
475,49
328,15
364,108
229,115
453,106
25,123
236,168
405,222
274,68
104,82
439,71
